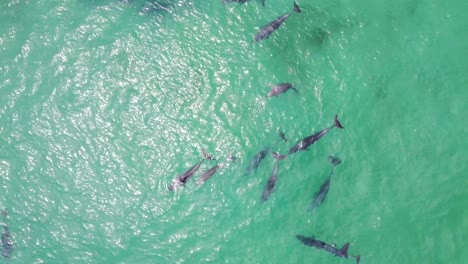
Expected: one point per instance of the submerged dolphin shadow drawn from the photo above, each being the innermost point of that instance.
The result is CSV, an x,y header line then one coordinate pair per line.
x,y
210,172
270,186
7,241
319,196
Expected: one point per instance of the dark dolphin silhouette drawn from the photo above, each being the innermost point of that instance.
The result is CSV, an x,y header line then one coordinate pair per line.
x,y
279,89
150,7
304,143
312,242
207,174
255,161
320,196
307,141
7,241
182,179
241,1
271,27
270,187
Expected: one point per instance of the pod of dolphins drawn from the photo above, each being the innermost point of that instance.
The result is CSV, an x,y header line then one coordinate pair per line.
x,y
303,144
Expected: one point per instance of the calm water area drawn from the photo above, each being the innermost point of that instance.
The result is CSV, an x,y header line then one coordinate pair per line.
x,y
104,103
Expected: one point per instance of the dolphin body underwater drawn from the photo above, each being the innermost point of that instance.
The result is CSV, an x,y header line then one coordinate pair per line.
x,y
241,1
271,27
209,173
256,160
312,242
7,241
270,186
279,89
305,143
320,196
182,179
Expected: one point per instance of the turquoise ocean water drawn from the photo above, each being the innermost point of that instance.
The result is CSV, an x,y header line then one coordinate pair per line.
x,y
102,106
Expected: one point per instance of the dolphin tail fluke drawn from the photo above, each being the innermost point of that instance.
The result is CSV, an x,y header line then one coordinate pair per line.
x,y
358,258
296,8
337,122
335,161
344,250
278,156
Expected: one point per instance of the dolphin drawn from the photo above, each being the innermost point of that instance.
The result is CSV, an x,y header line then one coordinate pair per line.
x,y
182,179
236,1
270,187
312,242
255,161
155,7
279,89
320,196
307,141
7,242
271,27
207,174
304,143
241,1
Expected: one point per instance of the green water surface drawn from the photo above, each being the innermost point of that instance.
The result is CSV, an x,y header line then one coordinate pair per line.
x,y
102,106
